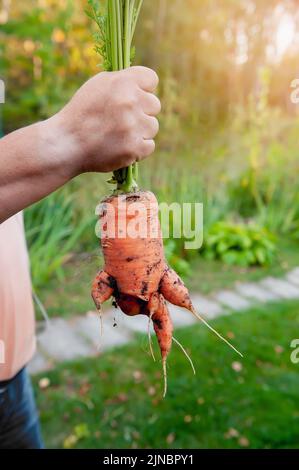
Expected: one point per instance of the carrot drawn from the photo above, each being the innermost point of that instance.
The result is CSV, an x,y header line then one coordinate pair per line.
x,y
135,271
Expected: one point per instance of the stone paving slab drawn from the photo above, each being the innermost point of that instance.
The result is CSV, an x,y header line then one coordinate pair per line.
x,y
209,309
282,288
293,276
181,316
136,324
39,363
89,327
256,292
60,342
232,300
80,337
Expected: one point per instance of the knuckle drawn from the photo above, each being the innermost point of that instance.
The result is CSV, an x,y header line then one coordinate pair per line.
x,y
128,125
153,76
127,100
158,104
125,128
147,149
155,125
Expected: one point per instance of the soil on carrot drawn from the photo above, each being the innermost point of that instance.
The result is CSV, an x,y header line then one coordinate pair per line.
x,y
71,296
115,401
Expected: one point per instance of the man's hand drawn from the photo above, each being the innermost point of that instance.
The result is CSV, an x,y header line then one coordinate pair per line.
x,y
111,120
109,124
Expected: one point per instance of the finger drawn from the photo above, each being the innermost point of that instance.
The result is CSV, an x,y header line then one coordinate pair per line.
x,y
150,127
147,147
146,78
151,104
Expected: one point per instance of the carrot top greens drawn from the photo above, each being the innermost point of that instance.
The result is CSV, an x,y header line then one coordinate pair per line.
x,y
116,21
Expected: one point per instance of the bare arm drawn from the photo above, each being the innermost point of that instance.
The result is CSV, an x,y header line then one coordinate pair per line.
x,y
108,124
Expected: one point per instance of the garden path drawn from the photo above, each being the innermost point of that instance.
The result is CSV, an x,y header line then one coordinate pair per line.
x,y
79,337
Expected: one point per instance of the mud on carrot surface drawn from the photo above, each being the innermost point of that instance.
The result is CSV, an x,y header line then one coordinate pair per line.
x,y
135,272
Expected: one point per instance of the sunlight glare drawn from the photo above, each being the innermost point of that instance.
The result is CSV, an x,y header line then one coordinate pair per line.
x,y
285,34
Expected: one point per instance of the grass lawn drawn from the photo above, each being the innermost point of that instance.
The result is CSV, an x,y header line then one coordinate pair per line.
x,y
210,276
71,296
114,401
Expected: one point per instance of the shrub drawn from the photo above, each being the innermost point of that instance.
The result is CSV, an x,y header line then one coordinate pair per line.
x,y
240,244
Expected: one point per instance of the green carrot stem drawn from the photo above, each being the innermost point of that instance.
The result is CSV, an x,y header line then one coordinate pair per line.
x,y
136,18
113,29
118,8
127,34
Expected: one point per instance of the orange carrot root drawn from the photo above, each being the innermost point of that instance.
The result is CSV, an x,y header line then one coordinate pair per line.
x,y
164,328
175,291
136,274
215,331
102,288
164,365
186,354
150,337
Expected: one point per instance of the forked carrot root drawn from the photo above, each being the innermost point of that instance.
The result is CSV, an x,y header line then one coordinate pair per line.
x,y
215,331
137,276
186,354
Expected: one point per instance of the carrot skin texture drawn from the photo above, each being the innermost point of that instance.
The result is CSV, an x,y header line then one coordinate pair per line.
x,y
163,325
135,270
137,263
102,288
132,306
174,290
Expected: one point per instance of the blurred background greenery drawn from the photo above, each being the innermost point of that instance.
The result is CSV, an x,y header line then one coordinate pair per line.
x,y
229,137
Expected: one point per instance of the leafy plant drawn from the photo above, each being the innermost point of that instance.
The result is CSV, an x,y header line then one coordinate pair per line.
x,y
80,432
176,261
240,244
52,236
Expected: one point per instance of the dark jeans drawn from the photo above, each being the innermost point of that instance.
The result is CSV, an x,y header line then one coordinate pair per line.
x,y
19,423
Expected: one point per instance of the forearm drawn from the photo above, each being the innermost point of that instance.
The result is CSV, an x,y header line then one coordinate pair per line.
x,y
108,124
34,162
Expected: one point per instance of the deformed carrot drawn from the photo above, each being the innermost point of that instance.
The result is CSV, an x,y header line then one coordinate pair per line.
x,y
136,273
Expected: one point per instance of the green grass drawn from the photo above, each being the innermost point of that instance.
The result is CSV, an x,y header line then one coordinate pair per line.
x,y
210,276
72,295
114,401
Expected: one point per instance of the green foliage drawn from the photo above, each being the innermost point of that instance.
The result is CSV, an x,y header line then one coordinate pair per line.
x,y
240,244
175,260
101,37
52,236
40,64
269,196
257,397
80,433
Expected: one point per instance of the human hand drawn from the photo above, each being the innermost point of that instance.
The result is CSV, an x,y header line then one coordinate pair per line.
x,y
111,120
